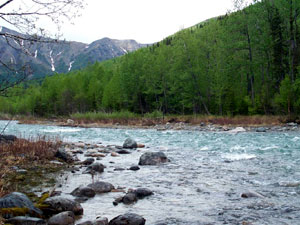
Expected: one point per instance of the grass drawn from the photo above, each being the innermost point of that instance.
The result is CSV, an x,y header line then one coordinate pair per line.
x,y
32,155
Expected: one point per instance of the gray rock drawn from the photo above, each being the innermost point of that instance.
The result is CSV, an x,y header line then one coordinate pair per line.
x,y
130,143
64,218
24,220
84,192
142,192
59,204
261,129
134,168
251,194
63,155
153,158
128,219
95,168
101,187
123,152
88,161
98,221
21,171
129,198
19,200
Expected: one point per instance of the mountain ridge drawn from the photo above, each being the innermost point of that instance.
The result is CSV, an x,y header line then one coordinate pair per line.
x,y
60,56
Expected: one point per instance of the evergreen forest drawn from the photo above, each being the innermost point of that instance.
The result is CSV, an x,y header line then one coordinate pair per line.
x,y
244,63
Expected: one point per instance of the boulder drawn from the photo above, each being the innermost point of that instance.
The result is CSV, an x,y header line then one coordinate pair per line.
x,y
261,130
129,143
128,219
63,155
134,168
101,187
7,138
95,168
153,158
129,198
19,200
64,218
59,204
123,152
142,192
237,130
251,194
84,192
88,161
24,220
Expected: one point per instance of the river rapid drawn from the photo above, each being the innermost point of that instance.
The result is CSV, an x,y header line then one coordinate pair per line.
x,y
203,182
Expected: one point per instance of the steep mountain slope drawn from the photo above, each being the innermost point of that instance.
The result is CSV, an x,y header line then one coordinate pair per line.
x,y
62,56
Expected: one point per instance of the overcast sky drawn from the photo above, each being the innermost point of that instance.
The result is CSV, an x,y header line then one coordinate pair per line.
x,y
143,20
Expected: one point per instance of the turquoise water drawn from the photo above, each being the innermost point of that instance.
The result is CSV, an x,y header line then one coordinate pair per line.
x,y
204,180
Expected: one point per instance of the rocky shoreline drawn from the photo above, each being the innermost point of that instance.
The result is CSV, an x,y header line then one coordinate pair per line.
x,y
54,209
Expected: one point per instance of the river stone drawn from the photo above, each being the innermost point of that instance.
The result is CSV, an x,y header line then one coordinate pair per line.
x,y
142,192
101,187
88,161
123,152
7,138
84,192
153,158
24,220
63,155
99,221
95,168
134,168
64,218
59,204
129,198
129,143
251,194
261,129
128,219
19,200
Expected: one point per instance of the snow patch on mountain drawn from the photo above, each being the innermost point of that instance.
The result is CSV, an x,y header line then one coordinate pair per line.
x,y
124,50
52,61
70,66
59,53
35,54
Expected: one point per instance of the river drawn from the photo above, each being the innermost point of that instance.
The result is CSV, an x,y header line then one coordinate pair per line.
x,y
203,182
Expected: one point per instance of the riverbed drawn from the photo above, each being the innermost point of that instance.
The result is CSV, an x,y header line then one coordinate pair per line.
x,y
202,183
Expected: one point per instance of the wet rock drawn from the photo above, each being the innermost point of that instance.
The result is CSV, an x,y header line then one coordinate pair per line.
x,y
117,201
134,168
98,221
63,155
251,194
140,145
19,200
95,168
123,152
128,219
59,204
84,192
7,138
101,187
153,158
24,220
114,154
88,161
129,198
129,143
119,169
64,218
261,129
142,192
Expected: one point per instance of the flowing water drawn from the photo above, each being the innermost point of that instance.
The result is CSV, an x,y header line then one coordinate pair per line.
x,y
203,182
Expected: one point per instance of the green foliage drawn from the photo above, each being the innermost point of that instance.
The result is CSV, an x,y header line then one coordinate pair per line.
x,y
234,64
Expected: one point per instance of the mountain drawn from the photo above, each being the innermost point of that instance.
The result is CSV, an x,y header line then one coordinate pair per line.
x,y
60,56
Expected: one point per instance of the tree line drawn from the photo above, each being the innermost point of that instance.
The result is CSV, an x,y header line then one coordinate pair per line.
x,y
246,62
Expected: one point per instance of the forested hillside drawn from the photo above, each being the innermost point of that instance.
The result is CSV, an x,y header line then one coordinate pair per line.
x,y
243,63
